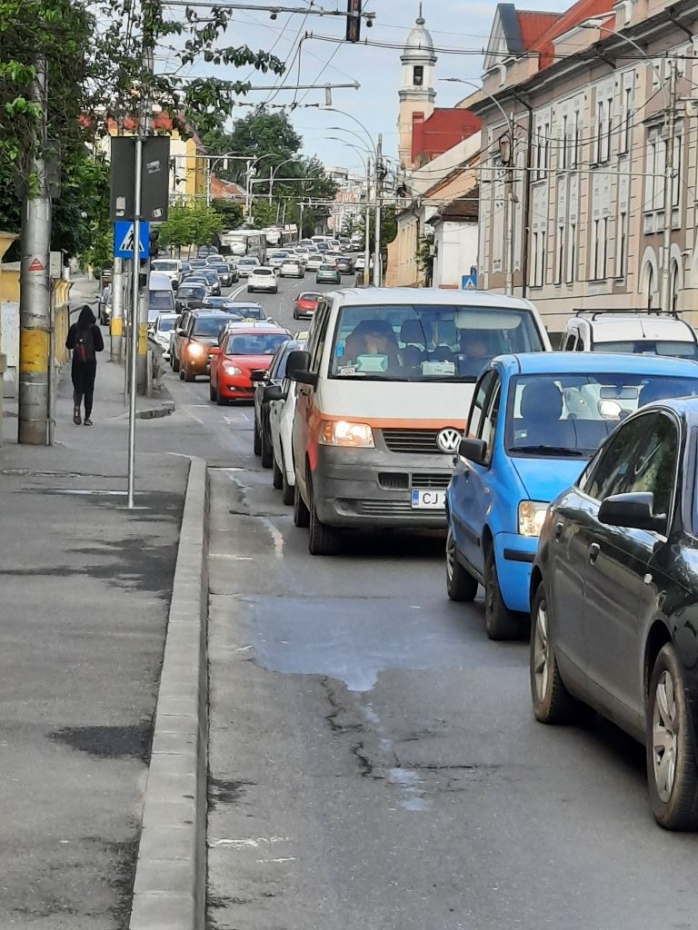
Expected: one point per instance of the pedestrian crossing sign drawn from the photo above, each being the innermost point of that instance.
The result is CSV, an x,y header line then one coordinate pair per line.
x,y
469,281
123,239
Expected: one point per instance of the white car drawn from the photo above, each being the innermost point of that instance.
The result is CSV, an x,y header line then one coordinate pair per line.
x,y
262,279
291,268
277,258
247,265
161,331
281,413
634,333
314,261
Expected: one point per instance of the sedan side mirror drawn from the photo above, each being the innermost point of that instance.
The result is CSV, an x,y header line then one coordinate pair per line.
x,y
273,392
297,366
474,450
633,511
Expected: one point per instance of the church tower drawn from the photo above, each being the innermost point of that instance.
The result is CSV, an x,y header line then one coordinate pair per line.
x,y
417,92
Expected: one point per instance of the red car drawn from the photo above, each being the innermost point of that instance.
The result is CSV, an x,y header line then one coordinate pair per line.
x,y
243,350
305,305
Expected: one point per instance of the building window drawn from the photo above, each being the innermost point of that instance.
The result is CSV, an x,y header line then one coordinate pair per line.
x,y
418,75
576,141
546,146
674,286
565,143
627,120
538,259
603,131
572,253
622,245
676,180
609,122
599,132
560,255
599,245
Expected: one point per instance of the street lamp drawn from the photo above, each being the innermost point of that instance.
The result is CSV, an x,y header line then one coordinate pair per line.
x,y
273,172
670,115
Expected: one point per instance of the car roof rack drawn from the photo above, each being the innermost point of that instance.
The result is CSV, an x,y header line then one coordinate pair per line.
x,y
672,314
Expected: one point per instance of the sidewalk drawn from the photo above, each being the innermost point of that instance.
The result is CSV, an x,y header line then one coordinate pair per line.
x,y
85,588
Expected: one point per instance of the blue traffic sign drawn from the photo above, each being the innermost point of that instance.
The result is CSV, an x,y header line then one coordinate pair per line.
x,y
469,281
123,239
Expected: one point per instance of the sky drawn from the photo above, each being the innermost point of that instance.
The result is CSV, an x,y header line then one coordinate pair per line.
x,y
463,27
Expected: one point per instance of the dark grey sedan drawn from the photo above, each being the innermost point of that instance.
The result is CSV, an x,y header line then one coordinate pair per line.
x,y
614,597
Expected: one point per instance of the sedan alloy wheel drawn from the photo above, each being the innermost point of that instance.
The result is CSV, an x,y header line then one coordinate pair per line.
x,y
551,701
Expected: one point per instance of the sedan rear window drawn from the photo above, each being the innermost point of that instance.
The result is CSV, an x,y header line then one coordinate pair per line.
x,y
255,343
191,293
263,271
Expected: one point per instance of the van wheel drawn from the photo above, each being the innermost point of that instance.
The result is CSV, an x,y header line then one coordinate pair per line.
x,y
257,440
323,539
287,490
175,364
267,449
189,377
301,514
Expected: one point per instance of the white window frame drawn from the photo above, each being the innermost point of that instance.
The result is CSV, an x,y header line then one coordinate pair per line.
x,y
560,253
572,253
627,117
622,243
599,248
565,143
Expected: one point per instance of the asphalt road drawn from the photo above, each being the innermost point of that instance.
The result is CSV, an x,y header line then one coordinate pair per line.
x,y
374,760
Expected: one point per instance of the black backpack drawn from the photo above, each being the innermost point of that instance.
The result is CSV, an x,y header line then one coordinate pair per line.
x,y
84,346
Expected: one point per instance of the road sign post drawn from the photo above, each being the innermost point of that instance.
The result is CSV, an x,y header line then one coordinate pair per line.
x,y
134,325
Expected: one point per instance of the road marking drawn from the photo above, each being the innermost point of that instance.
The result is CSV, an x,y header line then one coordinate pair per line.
x,y
276,537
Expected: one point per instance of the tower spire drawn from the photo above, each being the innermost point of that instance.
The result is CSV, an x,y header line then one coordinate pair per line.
x,y
420,18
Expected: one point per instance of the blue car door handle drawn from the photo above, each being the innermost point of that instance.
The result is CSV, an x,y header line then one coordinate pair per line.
x,y
594,550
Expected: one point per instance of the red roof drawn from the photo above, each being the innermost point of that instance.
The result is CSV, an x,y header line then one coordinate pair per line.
x,y
579,13
444,129
533,24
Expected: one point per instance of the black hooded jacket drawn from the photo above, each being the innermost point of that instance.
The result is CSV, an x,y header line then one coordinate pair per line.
x,y
85,333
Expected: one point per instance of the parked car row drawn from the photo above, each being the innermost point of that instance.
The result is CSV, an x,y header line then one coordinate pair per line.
x,y
565,480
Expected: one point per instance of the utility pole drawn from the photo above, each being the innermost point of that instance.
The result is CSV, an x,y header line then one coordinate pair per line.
x,y
666,296
377,261
34,300
135,294
367,237
116,325
301,207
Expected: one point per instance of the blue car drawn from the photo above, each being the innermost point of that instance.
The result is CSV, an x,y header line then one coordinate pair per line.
x,y
535,421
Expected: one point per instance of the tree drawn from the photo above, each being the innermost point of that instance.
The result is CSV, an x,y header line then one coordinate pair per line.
x,y
190,225
97,58
262,133
176,231
231,213
263,214
388,227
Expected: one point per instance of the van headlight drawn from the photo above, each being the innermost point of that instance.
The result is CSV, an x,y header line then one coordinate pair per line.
x,y
344,433
531,517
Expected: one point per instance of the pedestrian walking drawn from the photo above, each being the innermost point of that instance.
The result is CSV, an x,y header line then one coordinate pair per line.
x,y
85,340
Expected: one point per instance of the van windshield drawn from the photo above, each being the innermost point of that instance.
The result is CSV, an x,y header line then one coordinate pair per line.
x,y
161,300
427,342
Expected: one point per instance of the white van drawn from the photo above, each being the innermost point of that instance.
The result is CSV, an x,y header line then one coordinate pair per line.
x,y
631,332
172,267
384,391
161,298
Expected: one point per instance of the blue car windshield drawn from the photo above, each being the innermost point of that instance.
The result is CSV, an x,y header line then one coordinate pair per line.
x,y
565,415
427,342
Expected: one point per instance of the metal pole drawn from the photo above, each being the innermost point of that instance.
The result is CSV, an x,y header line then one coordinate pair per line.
x,y
271,183
52,364
377,270
300,225
367,232
669,191
116,324
134,322
34,298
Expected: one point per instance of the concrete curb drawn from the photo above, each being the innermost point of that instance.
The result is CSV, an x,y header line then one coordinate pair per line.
x,y
170,884
154,413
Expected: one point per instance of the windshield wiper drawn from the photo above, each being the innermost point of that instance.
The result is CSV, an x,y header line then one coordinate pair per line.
x,y
551,450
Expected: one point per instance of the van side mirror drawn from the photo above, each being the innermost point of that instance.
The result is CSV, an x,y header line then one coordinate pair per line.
x,y
474,450
273,392
297,366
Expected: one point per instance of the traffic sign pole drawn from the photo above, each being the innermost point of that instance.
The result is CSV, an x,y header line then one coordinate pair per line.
x,y
134,323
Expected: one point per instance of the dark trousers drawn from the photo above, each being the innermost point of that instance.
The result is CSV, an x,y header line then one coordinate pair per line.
x,y
83,375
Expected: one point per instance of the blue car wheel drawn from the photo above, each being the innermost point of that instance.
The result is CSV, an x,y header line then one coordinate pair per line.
x,y
500,622
460,584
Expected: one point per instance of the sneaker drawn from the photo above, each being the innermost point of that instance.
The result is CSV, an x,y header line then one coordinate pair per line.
x,y
88,421
76,416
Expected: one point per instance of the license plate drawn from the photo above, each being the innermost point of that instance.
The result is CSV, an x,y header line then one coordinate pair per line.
x,y
428,500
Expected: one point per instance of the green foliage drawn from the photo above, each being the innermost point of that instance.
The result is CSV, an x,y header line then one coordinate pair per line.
x,y
231,213
388,227
263,214
425,256
191,225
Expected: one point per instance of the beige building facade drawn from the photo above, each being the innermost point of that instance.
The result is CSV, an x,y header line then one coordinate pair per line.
x,y
574,162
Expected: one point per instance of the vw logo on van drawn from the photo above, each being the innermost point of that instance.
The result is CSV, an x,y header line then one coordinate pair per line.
x,y
448,440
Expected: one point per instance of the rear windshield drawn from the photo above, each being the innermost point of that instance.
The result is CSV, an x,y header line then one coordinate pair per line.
x,y
429,342
650,347
164,266
255,343
569,415
264,271
207,326
191,293
161,300
249,313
